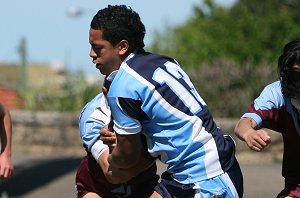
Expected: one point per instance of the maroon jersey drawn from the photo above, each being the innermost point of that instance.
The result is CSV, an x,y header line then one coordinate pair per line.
x,y
90,178
272,110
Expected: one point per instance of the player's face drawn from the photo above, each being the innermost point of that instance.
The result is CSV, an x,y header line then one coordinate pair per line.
x,y
296,81
105,56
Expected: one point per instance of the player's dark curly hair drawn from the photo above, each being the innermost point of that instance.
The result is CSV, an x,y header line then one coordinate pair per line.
x,y
119,22
290,76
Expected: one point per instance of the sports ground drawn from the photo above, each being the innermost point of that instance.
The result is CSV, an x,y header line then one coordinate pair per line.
x,y
51,176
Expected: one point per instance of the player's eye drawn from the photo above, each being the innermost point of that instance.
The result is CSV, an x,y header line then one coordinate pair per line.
x,y
97,47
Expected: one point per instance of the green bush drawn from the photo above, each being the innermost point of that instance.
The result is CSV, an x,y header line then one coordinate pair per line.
x,y
229,89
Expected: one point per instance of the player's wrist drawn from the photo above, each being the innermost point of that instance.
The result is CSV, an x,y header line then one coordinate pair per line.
x,y
98,149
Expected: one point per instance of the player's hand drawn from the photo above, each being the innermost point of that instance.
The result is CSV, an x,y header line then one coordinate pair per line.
x,y
257,140
6,167
108,137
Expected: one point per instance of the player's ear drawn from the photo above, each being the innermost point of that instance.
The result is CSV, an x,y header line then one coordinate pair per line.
x,y
123,47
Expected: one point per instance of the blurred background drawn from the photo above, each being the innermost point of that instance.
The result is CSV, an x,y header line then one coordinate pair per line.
x,y
228,47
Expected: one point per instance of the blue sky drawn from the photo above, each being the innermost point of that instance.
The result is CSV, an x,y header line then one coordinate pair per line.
x,y
56,38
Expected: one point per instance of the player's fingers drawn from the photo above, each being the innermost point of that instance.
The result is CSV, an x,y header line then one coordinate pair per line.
x,y
255,148
254,144
262,134
106,133
110,134
6,174
260,143
108,139
260,139
2,173
9,173
267,139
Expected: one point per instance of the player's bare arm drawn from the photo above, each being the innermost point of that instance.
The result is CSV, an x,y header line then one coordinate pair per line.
x,y
6,166
128,151
256,139
120,175
113,175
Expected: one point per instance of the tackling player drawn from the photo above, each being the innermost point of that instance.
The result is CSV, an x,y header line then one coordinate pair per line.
x,y
95,177
278,108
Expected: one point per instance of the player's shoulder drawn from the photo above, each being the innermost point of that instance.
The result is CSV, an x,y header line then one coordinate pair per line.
x,y
92,105
272,94
148,59
273,89
274,85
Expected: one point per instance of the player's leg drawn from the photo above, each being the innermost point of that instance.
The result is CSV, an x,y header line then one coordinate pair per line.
x,y
234,179
169,188
155,195
91,195
227,185
83,179
291,189
219,186
90,180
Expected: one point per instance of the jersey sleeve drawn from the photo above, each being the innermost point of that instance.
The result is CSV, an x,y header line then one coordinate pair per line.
x,y
265,110
94,116
125,122
125,103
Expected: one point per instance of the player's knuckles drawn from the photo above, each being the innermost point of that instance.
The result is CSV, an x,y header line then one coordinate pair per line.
x,y
262,133
253,141
267,139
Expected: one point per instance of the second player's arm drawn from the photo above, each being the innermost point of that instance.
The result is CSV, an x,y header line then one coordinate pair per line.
x,y
256,140
120,174
6,166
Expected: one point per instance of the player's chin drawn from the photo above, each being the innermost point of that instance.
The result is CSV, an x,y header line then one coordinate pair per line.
x,y
98,66
100,69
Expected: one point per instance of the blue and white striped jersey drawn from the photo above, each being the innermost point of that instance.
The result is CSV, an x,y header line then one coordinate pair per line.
x,y
153,95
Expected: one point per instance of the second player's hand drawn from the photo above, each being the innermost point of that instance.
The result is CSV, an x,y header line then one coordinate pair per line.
x,y
6,167
257,140
108,137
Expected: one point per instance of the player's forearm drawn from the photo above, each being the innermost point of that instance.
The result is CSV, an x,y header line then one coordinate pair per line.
x,y
118,176
6,133
121,159
6,150
112,174
144,163
128,151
